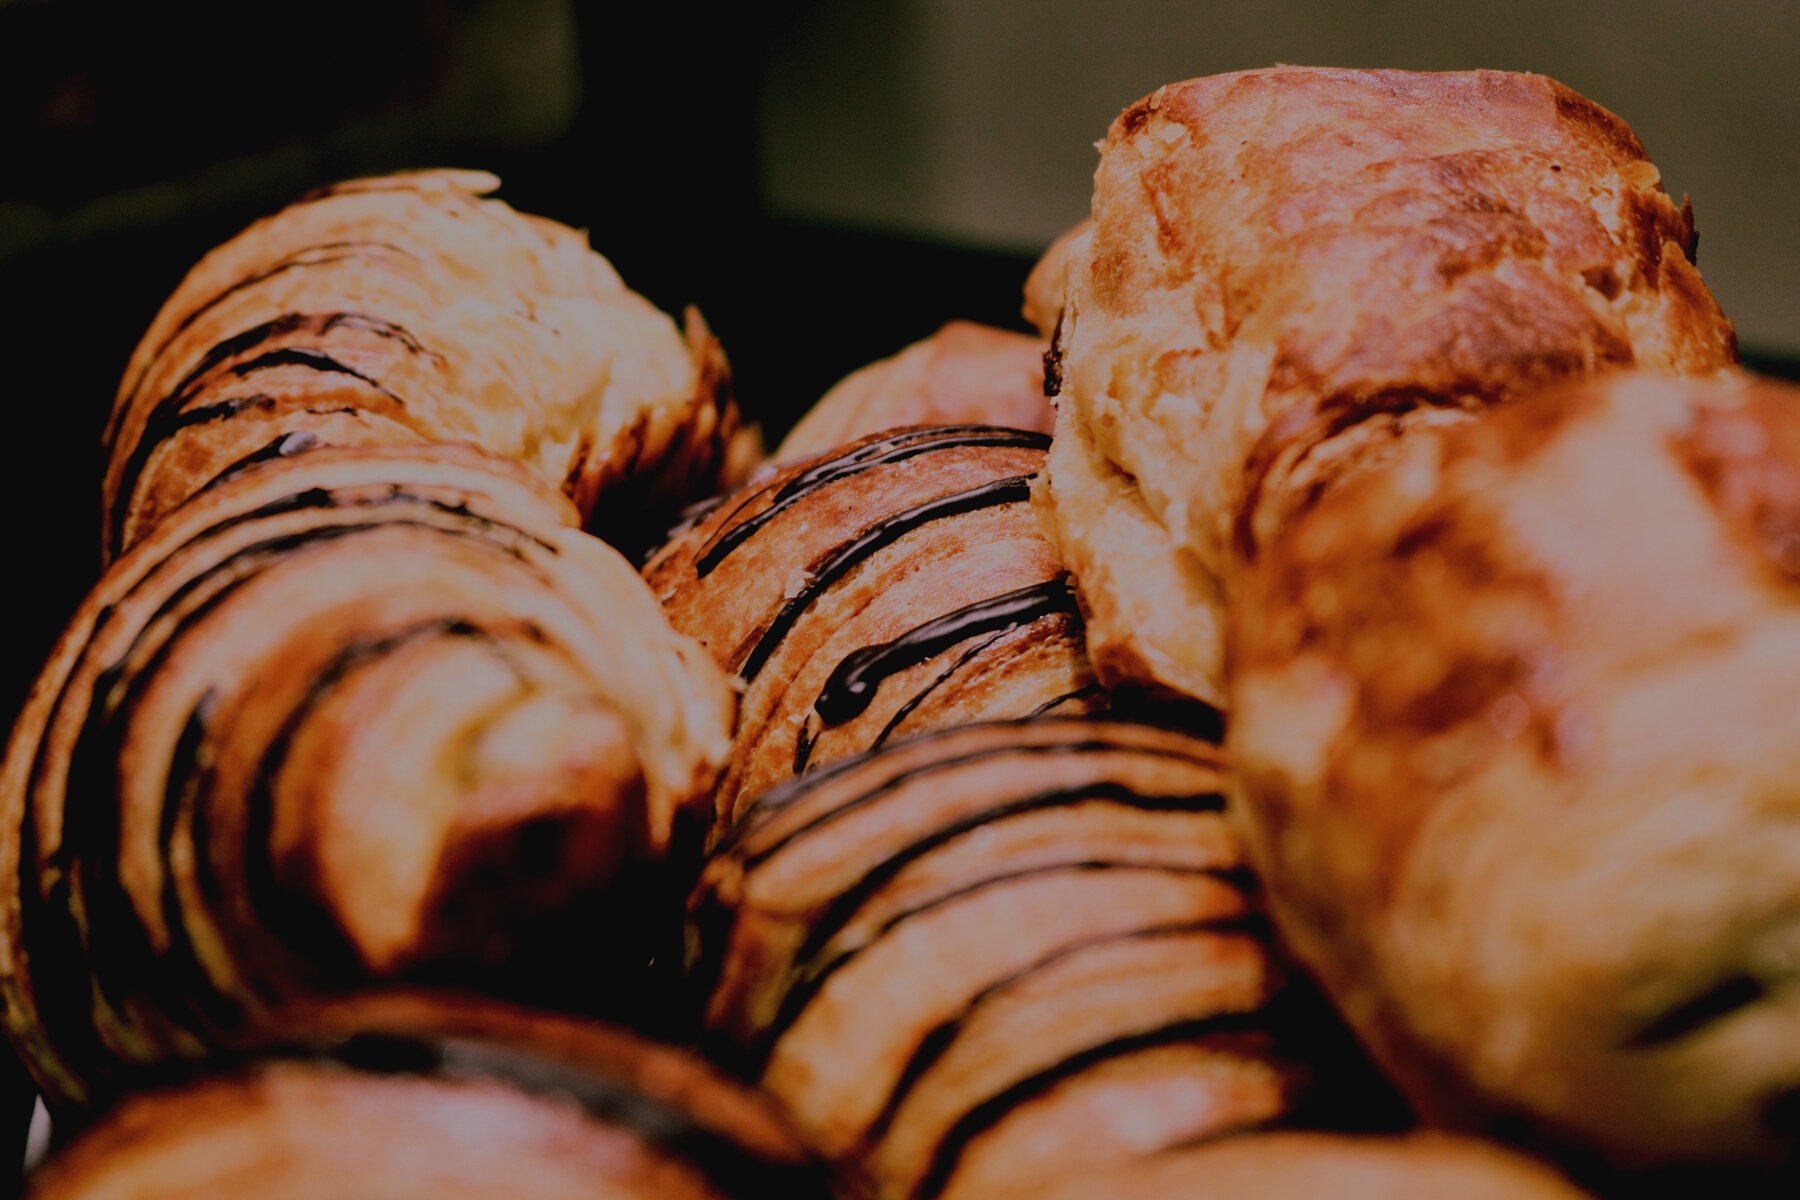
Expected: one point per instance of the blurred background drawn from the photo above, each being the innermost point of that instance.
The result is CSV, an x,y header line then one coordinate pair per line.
x,y
828,181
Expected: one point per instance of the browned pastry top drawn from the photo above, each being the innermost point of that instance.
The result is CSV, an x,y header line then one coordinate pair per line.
x,y
1291,268
407,309
1516,726
963,374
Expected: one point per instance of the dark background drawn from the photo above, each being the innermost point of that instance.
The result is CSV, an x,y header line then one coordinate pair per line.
x,y
137,136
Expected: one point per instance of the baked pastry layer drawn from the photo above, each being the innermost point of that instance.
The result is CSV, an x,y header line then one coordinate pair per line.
x,y
990,956
364,713
964,374
415,1095
408,309
895,585
1293,270
1516,728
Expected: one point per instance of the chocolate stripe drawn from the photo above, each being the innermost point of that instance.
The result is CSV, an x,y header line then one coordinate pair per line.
x,y
1013,490
937,1041
854,682
919,697
1717,1002
897,448
991,1111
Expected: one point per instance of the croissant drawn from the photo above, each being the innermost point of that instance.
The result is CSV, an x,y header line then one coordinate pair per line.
x,y
995,954
1048,282
1515,725
1293,270
1284,1166
408,309
355,715
409,1096
897,585
963,374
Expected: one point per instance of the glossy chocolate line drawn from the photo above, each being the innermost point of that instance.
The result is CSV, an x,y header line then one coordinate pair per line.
x,y
776,799
897,448
285,446
991,1111
840,561
165,418
853,683
327,255
810,975
313,360
1723,998
919,697
937,1041
1091,689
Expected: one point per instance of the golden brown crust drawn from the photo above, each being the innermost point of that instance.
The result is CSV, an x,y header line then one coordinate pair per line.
x,y
1514,719
964,374
1293,269
425,1095
896,585
342,717
994,955
1290,1166
1049,279
409,309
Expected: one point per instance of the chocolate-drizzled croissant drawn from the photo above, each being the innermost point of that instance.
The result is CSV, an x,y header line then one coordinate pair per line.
x,y
417,1096
1291,272
354,715
1295,1166
896,585
408,309
991,955
963,374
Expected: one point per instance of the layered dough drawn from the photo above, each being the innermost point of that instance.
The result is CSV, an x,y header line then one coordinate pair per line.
x,y
412,1095
1517,733
994,956
358,714
896,585
1294,1166
1291,271
964,374
408,309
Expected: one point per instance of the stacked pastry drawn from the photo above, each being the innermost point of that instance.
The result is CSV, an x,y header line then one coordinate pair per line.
x,y
1506,653
409,310
992,955
891,586
414,1096
356,700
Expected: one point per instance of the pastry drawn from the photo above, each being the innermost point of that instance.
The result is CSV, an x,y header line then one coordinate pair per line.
x,y
1049,279
895,585
993,955
963,374
1291,271
408,309
363,713
1292,1166
413,1096
1516,724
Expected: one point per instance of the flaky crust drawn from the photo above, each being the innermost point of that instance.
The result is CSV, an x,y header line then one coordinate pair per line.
x,y
409,309
345,717
416,1095
895,585
1049,279
1517,731
1292,1166
1291,270
964,374
995,956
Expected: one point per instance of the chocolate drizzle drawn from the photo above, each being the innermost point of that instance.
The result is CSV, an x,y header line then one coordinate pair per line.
x,y
854,682
1014,489
895,448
